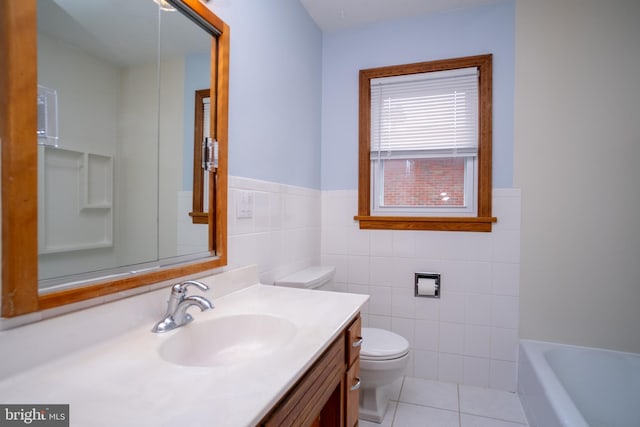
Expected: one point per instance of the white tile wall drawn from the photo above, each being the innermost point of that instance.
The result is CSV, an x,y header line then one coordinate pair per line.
x,y
469,335
283,234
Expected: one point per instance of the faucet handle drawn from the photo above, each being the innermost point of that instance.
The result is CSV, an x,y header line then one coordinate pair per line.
x,y
181,288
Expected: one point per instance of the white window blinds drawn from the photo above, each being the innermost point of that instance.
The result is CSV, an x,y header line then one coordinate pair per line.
x,y
425,115
206,117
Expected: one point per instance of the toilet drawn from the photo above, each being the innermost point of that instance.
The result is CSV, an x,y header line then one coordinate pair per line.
x,y
383,355
317,276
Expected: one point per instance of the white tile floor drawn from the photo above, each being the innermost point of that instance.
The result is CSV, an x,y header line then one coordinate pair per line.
x,y
424,403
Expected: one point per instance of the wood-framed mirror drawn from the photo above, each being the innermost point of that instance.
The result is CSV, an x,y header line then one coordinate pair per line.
x,y
21,293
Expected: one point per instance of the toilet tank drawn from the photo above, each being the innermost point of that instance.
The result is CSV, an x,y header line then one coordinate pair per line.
x,y
309,278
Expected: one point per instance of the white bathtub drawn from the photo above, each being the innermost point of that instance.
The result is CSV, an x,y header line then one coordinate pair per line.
x,y
568,386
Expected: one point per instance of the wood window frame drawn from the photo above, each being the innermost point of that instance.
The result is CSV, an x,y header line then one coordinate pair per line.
x,y
198,214
483,221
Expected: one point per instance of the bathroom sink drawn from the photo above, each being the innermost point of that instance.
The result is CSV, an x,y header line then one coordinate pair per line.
x,y
227,340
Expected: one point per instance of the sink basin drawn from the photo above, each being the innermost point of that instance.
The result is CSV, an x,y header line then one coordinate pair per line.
x,y
227,340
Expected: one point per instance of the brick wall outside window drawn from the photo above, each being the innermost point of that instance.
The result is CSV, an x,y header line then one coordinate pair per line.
x,y
422,182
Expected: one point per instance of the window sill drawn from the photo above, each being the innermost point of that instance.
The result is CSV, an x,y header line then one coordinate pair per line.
x,y
480,224
199,217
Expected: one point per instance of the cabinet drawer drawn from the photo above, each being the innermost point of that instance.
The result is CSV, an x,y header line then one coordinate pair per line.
x,y
354,340
352,393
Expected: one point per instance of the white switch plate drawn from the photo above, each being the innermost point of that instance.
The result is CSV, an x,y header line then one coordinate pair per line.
x,y
244,204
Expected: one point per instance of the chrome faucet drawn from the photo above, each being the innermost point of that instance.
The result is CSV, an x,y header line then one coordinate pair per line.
x,y
178,304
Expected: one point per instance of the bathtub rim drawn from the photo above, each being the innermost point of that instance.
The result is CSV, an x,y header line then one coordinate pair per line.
x,y
555,395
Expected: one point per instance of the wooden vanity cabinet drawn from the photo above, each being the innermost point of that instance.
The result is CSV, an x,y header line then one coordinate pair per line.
x,y
327,394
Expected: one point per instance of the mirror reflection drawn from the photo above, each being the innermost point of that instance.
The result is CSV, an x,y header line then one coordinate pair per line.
x,y
115,194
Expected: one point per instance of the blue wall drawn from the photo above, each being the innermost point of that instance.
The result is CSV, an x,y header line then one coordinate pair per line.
x,y
197,75
463,32
275,91
293,115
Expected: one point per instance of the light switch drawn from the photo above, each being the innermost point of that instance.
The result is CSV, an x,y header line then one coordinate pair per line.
x,y
244,204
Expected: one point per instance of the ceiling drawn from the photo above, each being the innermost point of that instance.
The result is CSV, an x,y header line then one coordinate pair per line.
x,y
108,28
333,15
123,32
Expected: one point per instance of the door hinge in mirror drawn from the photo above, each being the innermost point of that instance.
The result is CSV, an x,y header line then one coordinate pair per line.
x,y
209,154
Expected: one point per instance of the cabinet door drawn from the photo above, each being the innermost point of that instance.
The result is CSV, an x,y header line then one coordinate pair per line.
x,y
352,394
303,403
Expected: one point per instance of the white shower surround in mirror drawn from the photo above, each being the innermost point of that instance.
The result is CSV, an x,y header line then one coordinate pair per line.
x,y
127,107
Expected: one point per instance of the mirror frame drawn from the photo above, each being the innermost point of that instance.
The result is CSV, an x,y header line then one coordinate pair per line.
x,y
18,140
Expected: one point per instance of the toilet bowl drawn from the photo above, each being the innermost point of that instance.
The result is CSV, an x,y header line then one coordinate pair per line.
x,y
383,357
383,354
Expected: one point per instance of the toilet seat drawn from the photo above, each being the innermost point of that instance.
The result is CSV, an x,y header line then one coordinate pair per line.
x,y
379,344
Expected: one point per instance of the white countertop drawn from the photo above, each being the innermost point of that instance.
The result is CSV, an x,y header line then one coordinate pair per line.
x,y
124,382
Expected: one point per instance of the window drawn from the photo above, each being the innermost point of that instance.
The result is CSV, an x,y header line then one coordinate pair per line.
x,y
199,214
425,146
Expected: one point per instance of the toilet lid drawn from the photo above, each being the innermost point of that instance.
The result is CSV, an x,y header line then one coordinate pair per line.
x,y
382,344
